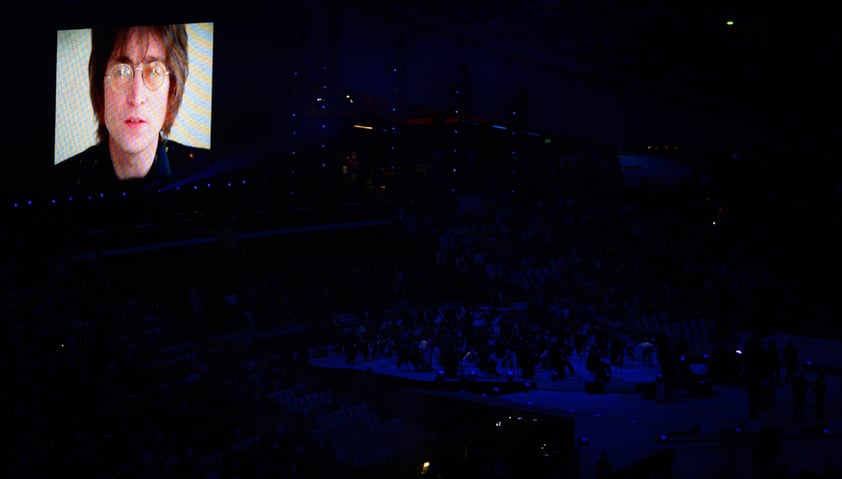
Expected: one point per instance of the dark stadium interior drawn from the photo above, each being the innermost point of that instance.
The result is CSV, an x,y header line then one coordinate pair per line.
x,y
441,239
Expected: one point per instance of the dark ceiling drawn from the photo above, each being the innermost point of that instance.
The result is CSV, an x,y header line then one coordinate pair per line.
x,y
754,54
769,49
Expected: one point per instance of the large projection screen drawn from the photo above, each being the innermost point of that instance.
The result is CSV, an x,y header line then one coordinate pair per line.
x,y
75,124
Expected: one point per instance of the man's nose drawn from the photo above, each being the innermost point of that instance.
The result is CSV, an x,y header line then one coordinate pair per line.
x,y
137,90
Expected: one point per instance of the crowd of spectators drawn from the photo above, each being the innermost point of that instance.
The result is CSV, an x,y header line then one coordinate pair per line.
x,y
157,364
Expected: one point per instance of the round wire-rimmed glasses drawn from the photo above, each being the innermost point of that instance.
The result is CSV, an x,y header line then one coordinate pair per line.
x,y
121,75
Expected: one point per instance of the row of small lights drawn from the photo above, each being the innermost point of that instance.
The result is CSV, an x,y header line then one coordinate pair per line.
x,y
123,194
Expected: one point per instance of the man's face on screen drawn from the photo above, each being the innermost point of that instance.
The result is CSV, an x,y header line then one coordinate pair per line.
x,y
134,113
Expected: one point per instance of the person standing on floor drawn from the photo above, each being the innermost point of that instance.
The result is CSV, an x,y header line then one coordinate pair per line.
x,y
820,390
774,359
799,393
790,361
603,467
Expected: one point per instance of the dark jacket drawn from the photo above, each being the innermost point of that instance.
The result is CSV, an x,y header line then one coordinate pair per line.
x,y
92,170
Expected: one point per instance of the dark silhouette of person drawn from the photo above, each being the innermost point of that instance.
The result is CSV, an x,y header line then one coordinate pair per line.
x,y
754,361
790,361
560,360
404,351
526,360
799,392
820,390
830,471
603,467
647,351
449,359
774,359
350,348
486,363
616,350
754,393
596,366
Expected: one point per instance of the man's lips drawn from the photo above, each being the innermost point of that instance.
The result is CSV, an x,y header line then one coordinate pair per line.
x,y
134,121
